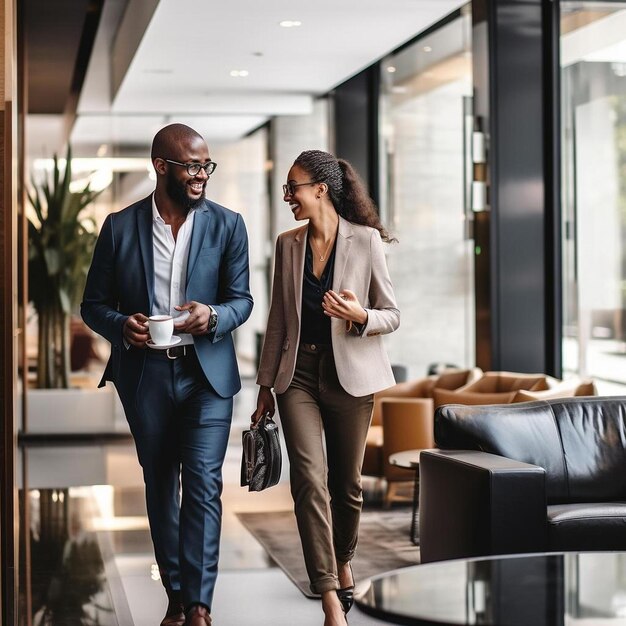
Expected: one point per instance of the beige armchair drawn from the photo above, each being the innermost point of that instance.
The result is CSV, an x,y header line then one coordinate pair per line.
x,y
408,423
402,429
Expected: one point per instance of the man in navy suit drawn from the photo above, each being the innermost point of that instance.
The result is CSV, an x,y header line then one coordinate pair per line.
x,y
175,253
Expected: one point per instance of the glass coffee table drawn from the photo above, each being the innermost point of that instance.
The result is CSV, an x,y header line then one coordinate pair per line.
x,y
570,589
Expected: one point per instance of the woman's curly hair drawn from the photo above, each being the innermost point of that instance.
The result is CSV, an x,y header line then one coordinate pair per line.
x,y
346,189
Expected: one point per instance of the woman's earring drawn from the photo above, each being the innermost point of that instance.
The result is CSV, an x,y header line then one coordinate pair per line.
x,y
318,196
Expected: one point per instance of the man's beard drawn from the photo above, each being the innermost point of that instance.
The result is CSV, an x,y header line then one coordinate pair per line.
x,y
177,191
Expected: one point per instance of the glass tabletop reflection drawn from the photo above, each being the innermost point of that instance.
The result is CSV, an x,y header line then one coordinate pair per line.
x,y
586,589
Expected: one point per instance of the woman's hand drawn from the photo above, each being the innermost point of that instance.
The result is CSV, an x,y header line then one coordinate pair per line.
x,y
264,404
344,305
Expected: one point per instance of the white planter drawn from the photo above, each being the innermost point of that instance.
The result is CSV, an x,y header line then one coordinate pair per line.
x,y
74,411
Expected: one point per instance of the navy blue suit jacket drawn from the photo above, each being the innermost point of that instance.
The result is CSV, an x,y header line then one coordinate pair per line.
x,y
121,282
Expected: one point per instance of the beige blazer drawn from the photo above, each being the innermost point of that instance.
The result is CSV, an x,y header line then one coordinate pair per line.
x,y
361,360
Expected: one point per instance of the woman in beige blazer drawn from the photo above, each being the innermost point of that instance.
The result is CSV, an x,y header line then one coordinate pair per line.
x,y
332,300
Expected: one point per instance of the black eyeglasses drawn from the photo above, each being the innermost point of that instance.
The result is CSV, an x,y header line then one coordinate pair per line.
x,y
289,188
194,168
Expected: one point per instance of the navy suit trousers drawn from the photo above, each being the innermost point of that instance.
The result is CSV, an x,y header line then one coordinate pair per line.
x,y
181,427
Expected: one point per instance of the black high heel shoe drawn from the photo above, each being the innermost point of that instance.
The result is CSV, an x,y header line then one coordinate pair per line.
x,y
346,595
343,606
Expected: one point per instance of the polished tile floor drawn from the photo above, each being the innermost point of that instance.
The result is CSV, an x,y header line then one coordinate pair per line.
x,y
91,559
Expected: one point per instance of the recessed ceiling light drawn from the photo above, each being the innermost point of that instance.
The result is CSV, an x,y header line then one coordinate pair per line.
x,y
239,73
290,23
391,69
427,49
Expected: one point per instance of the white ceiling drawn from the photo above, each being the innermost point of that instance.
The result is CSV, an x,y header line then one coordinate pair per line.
x,y
601,40
181,69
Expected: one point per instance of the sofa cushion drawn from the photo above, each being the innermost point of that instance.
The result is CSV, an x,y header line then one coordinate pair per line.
x,y
445,396
525,432
586,388
593,440
499,382
453,379
562,389
588,526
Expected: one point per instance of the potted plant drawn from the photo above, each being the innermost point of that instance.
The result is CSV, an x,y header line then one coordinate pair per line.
x,y
60,244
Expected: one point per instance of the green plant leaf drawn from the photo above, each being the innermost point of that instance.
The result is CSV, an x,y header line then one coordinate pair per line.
x,y
59,254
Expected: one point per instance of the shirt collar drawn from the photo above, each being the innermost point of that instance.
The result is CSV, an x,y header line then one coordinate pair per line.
x,y
156,216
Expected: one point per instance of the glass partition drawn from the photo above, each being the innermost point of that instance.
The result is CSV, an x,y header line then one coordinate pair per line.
x,y
593,112
426,108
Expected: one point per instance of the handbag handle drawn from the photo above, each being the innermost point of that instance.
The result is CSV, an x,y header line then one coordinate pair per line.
x,y
266,416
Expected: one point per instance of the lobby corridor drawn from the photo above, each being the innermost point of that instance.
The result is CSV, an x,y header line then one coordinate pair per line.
x,y
91,555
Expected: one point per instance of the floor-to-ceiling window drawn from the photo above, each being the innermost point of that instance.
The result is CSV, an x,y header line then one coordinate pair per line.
x,y
593,112
426,117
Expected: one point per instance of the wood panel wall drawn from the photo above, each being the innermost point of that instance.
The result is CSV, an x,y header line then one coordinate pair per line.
x,y
8,313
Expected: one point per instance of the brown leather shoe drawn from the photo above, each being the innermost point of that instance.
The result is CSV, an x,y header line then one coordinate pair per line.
x,y
198,615
175,619
175,614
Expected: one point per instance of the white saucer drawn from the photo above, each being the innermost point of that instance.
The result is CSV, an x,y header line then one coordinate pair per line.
x,y
175,340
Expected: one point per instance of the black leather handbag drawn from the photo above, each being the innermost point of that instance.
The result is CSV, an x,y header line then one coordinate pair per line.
x,y
261,460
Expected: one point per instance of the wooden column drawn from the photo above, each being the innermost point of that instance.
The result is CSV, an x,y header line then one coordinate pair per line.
x,y
8,314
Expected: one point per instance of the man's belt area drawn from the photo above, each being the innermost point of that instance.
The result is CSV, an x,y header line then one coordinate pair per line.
x,y
174,353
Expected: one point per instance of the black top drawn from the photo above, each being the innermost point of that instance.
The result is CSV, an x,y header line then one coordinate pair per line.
x,y
315,326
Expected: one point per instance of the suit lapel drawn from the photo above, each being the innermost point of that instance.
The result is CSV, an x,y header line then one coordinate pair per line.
x,y
342,252
201,221
144,226
297,259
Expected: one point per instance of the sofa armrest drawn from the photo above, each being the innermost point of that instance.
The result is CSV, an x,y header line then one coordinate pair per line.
x,y
477,504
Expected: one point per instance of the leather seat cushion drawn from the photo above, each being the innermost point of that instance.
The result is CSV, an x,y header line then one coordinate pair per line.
x,y
499,382
444,396
587,526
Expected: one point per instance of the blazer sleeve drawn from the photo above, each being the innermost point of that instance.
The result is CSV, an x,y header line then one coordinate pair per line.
x,y
383,316
235,300
100,299
275,331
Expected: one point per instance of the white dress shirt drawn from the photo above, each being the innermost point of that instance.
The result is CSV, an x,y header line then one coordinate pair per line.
x,y
170,267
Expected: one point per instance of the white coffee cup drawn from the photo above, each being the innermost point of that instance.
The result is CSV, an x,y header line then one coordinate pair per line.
x,y
161,328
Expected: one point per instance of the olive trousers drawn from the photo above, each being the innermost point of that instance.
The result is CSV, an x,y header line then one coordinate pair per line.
x,y
325,430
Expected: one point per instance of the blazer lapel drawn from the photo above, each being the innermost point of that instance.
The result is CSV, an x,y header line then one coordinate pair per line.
x,y
342,252
201,221
144,226
297,260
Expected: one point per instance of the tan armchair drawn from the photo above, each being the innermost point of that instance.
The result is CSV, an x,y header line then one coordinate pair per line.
x,y
408,423
402,430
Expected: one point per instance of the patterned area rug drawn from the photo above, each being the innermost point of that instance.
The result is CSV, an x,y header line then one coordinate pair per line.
x,y
383,543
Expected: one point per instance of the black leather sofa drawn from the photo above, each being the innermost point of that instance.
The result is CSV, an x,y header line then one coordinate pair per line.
x,y
530,477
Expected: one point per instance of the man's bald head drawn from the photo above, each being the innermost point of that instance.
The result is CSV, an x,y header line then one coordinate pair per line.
x,y
169,141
